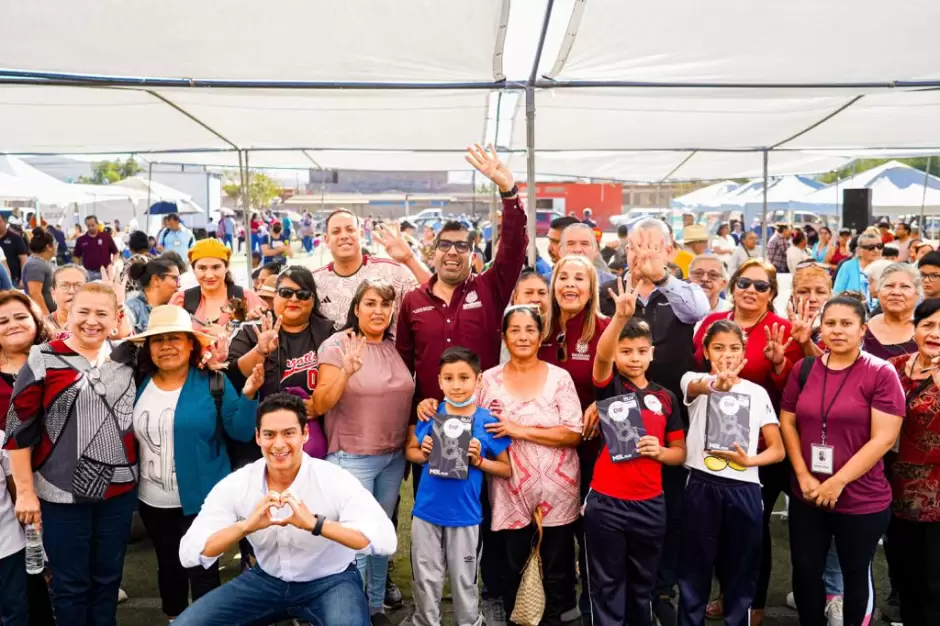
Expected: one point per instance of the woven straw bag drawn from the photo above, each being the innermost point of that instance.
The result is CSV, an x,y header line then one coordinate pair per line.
x,y
530,598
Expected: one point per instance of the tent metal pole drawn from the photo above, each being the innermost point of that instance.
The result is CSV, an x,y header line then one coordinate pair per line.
x,y
923,199
246,199
763,219
530,171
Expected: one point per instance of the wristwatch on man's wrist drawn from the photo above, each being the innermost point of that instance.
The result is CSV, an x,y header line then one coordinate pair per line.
x,y
509,194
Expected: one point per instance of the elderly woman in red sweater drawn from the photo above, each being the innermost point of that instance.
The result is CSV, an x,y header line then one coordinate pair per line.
x,y
770,354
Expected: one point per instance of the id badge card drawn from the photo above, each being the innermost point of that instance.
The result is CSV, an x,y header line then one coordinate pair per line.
x,y
822,461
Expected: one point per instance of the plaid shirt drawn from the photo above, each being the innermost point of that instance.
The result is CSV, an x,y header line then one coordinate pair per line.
x,y
777,253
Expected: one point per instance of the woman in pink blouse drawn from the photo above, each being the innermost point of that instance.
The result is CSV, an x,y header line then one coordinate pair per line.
x,y
538,407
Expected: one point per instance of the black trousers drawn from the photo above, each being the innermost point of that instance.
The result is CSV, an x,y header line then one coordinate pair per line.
x,y
724,536
775,479
558,577
812,530
674,480
166,528
587,457
916,547
624,540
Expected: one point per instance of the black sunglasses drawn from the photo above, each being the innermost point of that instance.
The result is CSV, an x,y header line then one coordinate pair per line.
x,y
461,246
761,286
302,294
871,246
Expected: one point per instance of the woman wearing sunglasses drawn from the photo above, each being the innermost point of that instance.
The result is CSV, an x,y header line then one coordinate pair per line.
x,y
365,392
891,332
838,419
209,302
770,354
158,280
286,344
851,276
70,436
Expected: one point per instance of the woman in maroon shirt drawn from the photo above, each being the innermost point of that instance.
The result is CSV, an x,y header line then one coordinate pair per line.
x,y
576,326
914,531
770,355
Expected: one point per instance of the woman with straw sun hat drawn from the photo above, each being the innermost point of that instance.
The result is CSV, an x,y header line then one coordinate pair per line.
x,y
181,431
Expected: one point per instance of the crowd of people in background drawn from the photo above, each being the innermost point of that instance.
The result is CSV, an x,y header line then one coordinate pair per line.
x,y
627,412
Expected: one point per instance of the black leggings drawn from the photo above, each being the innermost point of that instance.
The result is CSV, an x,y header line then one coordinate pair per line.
x,y
916,547
558,575
166,528
812,530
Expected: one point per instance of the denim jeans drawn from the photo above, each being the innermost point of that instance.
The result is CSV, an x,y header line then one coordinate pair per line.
x,y
14,603
85,544
832,575
229,240
381,475
256,597
5,282
307,243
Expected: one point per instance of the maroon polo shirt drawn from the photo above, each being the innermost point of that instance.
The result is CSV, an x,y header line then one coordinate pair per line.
x,y
427,325
579,361
95,252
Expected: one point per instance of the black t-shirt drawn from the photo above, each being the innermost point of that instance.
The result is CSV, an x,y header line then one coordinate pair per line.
x,y
293,364
13,246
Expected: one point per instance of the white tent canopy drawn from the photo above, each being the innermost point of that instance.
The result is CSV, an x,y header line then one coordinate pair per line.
x,y
704,197
897,189
406,85
156,192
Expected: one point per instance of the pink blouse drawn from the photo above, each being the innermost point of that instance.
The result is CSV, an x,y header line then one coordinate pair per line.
x,y
541,476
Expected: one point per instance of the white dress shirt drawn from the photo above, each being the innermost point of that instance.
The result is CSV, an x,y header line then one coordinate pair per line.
x,y
285,552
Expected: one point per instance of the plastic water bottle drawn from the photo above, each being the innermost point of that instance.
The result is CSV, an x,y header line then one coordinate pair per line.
x,y
35,555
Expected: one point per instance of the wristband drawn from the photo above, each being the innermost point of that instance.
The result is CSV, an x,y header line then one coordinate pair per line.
x,y
662,281
509,194
318,527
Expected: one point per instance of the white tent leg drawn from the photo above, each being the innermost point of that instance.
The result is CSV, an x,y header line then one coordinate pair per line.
x,y
765,236
530,171
246,203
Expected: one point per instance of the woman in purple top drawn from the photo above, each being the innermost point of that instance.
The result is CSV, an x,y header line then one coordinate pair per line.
x,y
365,390
891,332
837,427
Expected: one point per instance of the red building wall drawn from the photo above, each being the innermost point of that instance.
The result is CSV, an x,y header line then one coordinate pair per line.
x,y
604,199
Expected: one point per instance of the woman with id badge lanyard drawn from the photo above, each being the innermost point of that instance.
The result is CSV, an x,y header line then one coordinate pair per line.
x,y
837,427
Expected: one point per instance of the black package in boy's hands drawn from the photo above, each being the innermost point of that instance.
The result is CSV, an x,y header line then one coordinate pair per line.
x,y
450,456
728,421
621,425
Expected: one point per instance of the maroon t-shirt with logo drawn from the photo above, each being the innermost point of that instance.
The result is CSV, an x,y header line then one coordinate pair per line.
x,y
95,251
872,384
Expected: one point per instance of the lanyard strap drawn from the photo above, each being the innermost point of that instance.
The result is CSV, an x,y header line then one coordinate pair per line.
x,y
822,400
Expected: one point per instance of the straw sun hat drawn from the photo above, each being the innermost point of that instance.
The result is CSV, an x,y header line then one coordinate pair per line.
x,y
167,318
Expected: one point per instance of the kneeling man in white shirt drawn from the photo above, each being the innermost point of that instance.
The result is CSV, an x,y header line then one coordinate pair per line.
x,y
305,518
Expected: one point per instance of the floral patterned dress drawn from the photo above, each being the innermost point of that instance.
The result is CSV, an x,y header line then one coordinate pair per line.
x,y
915,473
542,476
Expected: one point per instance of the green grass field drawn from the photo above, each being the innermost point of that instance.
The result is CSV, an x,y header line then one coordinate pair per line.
x,y
143,608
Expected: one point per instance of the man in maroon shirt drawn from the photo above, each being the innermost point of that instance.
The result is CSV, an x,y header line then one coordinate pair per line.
x,y
455,307
96,250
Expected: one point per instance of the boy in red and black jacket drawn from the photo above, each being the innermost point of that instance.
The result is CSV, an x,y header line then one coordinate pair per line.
x,y
625,511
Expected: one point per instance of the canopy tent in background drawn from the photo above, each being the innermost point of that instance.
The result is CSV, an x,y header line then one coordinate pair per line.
x,y
783,194
705,196
158,191
897,189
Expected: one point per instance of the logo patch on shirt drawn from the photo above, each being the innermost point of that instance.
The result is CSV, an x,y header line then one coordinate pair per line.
x,y
472,301
423,309
653,404
471,297
325,300
581,351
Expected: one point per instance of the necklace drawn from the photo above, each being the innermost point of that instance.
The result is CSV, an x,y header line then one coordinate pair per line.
x,y
746,331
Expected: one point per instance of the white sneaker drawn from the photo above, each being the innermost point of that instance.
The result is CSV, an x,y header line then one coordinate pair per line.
x,y
122,595
791,601
834,611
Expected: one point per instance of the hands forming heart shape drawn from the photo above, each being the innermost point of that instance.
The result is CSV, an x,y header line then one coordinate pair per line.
x,y
281,509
